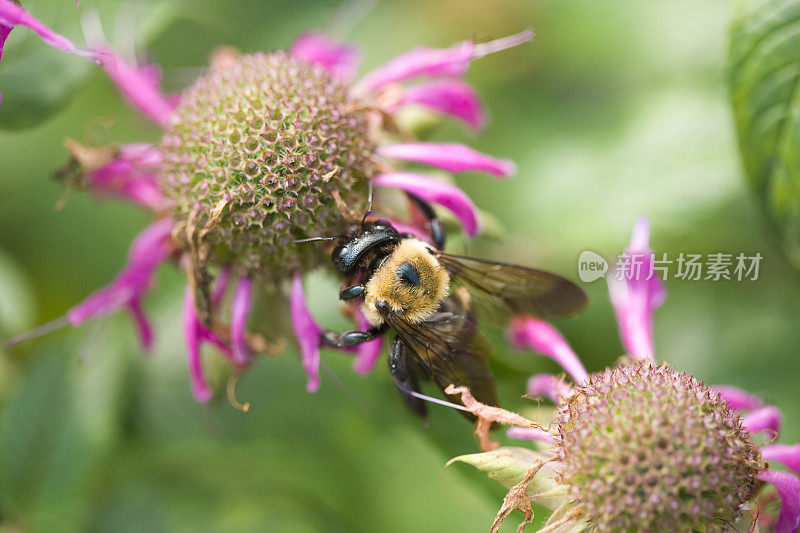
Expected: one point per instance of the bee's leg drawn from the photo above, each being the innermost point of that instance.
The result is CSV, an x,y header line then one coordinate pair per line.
x,y
437,227
348,293
335,339
404,377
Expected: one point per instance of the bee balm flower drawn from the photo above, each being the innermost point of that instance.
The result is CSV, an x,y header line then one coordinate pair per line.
x,y
643,446
261,151
651,448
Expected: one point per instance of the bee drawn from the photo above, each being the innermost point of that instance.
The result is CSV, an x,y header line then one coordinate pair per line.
x,y
430,299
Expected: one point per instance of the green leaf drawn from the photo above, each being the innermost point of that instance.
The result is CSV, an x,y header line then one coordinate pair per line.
x,y
509,464
764,64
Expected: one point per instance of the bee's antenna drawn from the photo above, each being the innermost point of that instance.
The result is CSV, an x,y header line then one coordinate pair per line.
x,y
318,239
369,205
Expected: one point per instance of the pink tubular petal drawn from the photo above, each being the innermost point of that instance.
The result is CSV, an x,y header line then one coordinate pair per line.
x,y
530,434
763,419
196,333
788,487
200,389
544,338
421,61
308,333
449,96
341,60
142,323
420,234
636,297
547,385
131,175
148,250
220,286
785,454
240,309
452,61
12,15
4,33
738,399
368,352
450,157
437,192
139,85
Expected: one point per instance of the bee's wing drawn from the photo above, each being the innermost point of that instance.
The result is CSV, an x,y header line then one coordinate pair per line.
x,y
501,291
451,349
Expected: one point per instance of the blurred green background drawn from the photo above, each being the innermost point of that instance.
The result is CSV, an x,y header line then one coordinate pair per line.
x,y
618,109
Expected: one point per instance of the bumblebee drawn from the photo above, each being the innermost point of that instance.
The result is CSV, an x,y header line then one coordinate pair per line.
x,y
430,299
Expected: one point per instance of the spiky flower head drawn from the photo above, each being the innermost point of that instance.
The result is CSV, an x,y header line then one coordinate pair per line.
x,y
651,448
255,155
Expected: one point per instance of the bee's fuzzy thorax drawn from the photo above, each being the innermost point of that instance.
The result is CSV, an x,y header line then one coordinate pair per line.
x,y
414,303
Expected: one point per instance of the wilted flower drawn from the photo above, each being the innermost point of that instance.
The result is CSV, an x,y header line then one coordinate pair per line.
x,y
642,446
261,151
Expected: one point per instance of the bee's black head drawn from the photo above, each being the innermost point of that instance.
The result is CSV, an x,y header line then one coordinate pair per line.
x,y
349,252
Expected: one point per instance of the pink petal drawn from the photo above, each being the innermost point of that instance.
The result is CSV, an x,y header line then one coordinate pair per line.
x,y
13,15
139,85
142,323
107,300
369,352
240,309
788,487
547,385
421,61
200,389
448,96
4,33
195,334
308,333
450,157
787,455
636,297
437,192
530,434
420,234
131,175
737,398
220,286
148,250
763,419
452,61
544,338
152,245
341,60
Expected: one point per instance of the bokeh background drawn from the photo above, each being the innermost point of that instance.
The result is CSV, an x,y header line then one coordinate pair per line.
x,y
617,109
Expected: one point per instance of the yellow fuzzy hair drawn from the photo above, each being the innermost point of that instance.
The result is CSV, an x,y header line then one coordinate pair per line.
x,y
415,304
